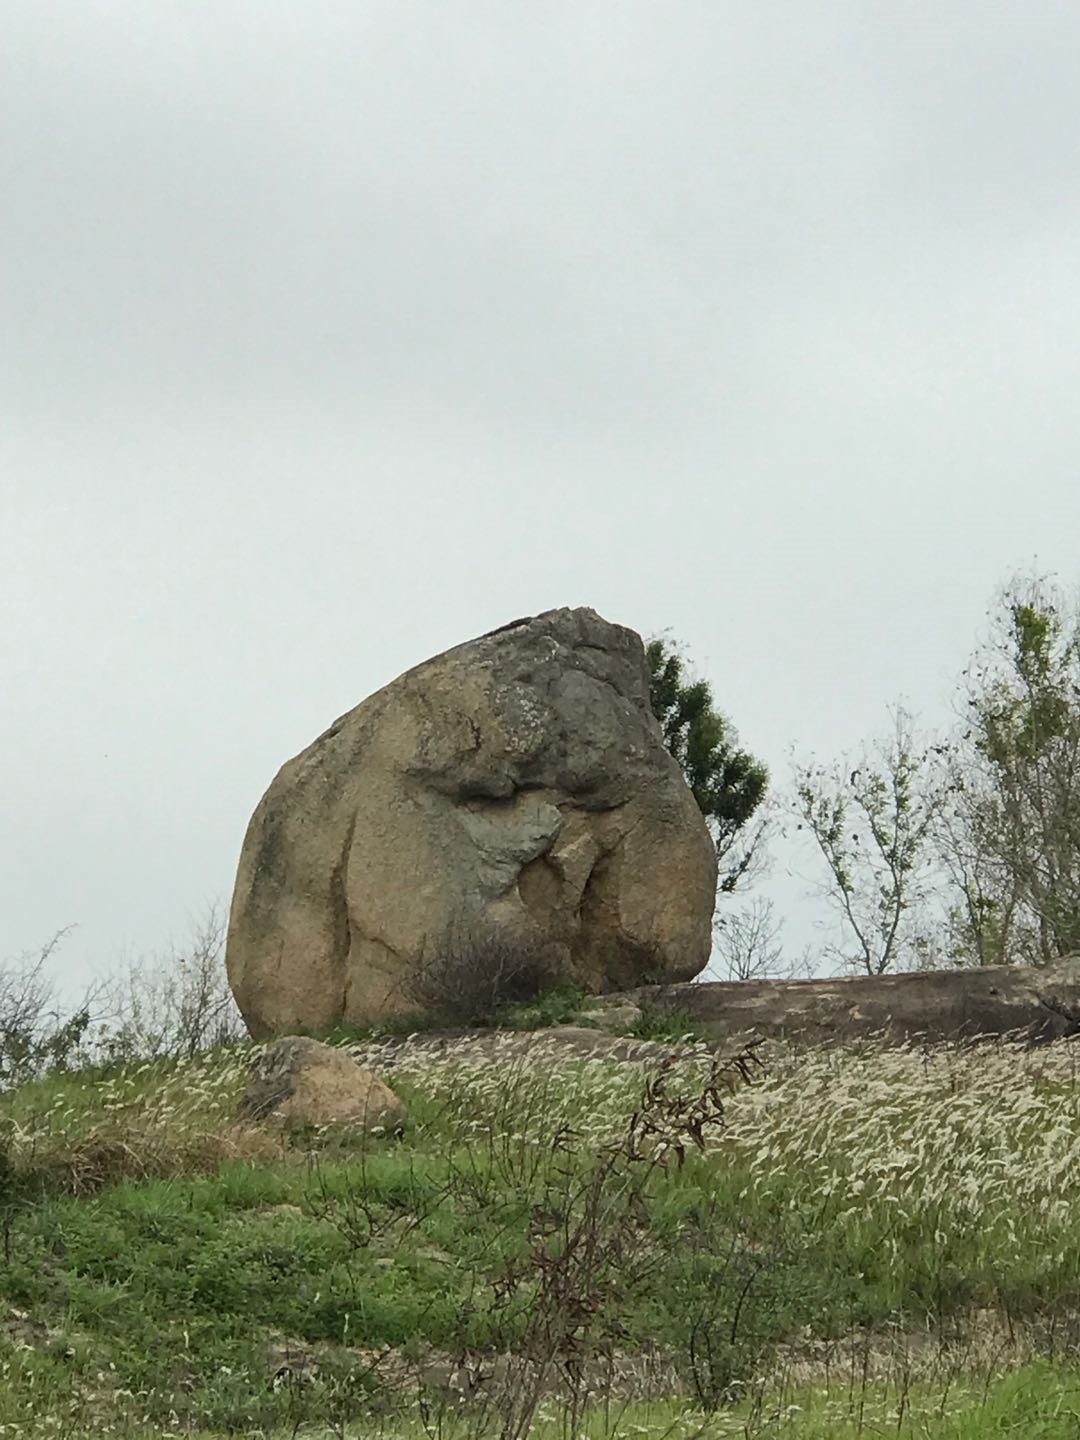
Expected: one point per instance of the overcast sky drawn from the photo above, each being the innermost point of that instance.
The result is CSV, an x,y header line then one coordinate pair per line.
x,y
333,334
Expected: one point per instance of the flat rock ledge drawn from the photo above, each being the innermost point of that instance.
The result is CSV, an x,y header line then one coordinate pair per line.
x,y
1000,1002
1004,1004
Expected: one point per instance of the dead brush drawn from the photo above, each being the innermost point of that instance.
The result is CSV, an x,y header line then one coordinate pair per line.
x,y
154,1120
106,1155
466,980
588,1244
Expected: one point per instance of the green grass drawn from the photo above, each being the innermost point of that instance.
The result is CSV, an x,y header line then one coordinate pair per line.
x,y
658,1021
866,1232
1040,1400
558,1005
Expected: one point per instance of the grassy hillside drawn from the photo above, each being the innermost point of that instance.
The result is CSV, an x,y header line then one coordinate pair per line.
x,y
852,1243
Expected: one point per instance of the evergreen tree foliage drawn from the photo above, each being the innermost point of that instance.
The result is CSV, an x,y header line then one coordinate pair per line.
x,y
727,782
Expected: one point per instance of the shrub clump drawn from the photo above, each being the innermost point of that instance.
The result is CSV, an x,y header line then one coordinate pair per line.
x,y
474,981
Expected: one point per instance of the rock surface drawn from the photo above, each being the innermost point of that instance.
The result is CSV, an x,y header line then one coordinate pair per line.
x,y
513,793
298,1081
1036,1005
1001,1003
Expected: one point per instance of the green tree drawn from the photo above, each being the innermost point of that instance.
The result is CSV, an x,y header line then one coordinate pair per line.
x,y
966,851
1012,840
727,782
872,818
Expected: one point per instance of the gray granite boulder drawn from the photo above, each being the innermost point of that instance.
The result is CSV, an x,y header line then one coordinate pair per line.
x,y
512,796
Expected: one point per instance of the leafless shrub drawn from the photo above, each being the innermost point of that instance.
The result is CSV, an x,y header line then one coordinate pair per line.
x,y
747,941
178,1005
38,1031
589,1245
465,980
174,1007
872,818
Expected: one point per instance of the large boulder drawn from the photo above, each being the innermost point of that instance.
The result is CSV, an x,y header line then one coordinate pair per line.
x,y
511,797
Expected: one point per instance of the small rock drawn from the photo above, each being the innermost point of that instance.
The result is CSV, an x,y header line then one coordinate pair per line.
x,y
298,1081
290,1364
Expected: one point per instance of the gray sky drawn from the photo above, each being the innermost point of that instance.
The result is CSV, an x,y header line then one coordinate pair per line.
x,y
332,334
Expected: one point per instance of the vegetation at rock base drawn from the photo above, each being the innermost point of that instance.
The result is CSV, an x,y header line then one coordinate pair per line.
x,y
659,1020
832,1243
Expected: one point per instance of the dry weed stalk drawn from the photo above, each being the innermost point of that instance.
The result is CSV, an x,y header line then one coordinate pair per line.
x,y
589,1244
